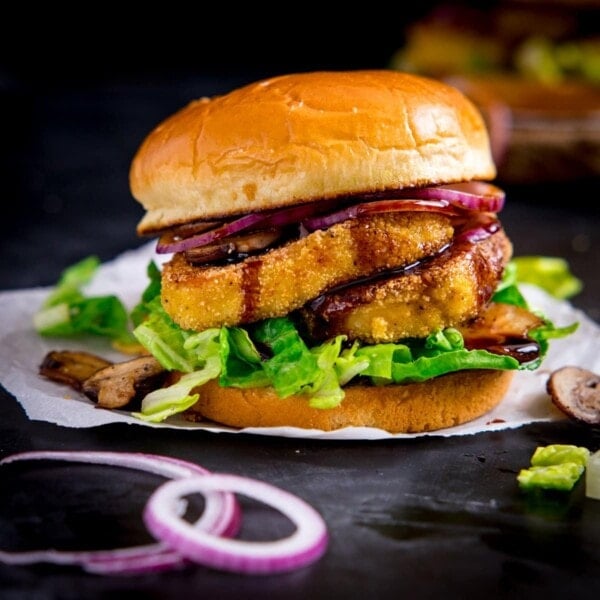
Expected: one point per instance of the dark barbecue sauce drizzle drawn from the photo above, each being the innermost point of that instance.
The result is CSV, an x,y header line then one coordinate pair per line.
x,y
522,349
250,287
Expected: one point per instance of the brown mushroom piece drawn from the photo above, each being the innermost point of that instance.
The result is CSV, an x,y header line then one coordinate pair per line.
x,y
233,246
71,367
120,383
576,392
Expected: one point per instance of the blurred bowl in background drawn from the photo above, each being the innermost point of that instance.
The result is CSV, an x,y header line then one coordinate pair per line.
x,y
533,68
539,132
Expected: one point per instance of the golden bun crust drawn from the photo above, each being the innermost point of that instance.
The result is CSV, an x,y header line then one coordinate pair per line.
x,y
303,137
442,402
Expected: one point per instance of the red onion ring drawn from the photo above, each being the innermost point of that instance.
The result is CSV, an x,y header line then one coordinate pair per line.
x,y
221,516
377,206
278,218
471,195
305,545
478,230
205,540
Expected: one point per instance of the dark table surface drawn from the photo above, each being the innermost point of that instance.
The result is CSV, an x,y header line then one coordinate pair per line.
x,y
428,517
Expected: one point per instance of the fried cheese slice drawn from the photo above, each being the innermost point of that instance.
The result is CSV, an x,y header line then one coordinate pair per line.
x,y
447,291
285,278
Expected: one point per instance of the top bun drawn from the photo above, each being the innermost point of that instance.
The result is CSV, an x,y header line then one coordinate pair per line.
x,y
303,137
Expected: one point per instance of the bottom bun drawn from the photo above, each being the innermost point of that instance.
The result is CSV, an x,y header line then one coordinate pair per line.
x,y
442,402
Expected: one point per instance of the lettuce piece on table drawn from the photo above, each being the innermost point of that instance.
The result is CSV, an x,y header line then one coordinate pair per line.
x,y
68,312
554,467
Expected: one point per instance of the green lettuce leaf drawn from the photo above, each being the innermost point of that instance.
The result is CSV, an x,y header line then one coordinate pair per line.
x,y
554,467
241,362
175,349
67,311
348,363
561,477
326,390
508,291
141,310
418,360
556,454
291,365
203,350
165,402
549,273
547,331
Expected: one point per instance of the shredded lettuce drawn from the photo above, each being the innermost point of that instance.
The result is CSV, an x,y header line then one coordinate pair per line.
x,y
291,366
349,364
240,360
175,349
165,402
204,350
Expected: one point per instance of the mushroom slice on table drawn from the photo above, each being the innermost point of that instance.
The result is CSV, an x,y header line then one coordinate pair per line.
x,y
118,384
71,367
576,392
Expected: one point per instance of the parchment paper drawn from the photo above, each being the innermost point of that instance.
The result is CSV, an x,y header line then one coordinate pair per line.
x,y
22,350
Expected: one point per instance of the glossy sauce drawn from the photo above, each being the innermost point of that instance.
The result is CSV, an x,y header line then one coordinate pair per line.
x,y
250,287
522,349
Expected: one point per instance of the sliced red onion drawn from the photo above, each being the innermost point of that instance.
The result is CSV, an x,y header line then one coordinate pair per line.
x,y
471,195
278,218
376,206
221,516
305,545
479,230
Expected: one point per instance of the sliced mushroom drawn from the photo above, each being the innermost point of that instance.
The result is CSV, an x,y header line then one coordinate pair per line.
x,y
576,392
233,246
173,234
70,367
120,383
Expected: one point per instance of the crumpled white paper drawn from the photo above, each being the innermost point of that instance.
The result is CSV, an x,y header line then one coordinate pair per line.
x,y
22,350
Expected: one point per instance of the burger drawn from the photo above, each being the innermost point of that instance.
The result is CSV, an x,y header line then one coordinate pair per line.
x,y
330,256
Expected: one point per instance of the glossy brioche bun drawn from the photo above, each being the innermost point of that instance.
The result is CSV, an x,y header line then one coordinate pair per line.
x,y
303,137
445,401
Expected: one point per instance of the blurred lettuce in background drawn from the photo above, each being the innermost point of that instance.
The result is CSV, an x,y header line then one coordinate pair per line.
x,y
526,41
552,274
